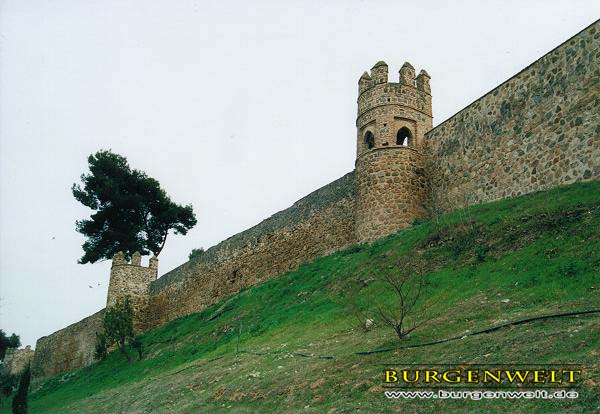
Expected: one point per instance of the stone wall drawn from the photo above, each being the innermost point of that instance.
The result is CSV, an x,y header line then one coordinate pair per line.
x,y
539,129
16,360
68,349
318,224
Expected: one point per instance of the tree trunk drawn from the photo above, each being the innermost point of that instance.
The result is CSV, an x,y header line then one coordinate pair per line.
x,y
123,350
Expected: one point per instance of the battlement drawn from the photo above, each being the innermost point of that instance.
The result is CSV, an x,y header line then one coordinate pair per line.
x,y
393,114
406,76
119,259
386,107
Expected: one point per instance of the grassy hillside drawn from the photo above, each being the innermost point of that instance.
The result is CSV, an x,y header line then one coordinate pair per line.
x,y
264,350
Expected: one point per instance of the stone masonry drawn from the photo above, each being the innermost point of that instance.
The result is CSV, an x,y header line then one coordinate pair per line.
x,y
537,130
132,280
318,224
16,360
68,349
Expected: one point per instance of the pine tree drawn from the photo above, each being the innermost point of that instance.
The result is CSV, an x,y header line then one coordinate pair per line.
x,y
131,210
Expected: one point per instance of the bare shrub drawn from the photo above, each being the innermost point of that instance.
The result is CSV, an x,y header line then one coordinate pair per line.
x,y
405,281
394,299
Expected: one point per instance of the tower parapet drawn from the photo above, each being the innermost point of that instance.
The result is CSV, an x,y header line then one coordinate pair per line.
x,y
379,73
153,263
423,82
392,120
407,74
131,280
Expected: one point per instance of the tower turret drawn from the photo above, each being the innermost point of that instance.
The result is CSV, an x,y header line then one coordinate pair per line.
x,y
392,121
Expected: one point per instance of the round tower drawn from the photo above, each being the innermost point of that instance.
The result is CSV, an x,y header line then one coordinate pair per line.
x,y
392,120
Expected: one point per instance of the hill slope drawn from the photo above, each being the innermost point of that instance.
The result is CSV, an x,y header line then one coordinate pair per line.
x,y
289,345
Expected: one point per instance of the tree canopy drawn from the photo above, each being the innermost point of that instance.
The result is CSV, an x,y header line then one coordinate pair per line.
x,y
13,341
131,211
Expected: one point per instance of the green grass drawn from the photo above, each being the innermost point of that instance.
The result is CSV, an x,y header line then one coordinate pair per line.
x,y
540,251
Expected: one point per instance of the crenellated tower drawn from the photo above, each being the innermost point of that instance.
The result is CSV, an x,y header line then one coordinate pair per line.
x,y
133,280
392,120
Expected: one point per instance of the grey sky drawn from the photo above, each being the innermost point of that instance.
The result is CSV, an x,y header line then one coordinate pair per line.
x,y
239,108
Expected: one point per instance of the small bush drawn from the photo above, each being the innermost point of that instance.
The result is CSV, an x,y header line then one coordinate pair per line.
x,y
351,250
138,346
101,348
8,383
568,269
481,252
418,221
196,253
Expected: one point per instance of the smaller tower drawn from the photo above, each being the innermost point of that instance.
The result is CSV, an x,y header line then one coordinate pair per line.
x,y
132,280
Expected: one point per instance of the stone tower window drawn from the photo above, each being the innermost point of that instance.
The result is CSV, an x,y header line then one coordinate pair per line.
x,y
404,137
369,140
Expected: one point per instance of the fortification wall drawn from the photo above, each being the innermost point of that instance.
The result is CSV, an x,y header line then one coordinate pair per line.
x,y
16,360
68,349
318,224
539,129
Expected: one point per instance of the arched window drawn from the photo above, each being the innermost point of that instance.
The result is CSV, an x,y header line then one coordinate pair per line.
x,y
369,140
404,137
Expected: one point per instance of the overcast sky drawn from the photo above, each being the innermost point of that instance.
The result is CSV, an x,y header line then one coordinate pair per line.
x,y
237,107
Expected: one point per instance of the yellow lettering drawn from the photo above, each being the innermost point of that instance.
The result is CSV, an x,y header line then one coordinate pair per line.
x,y
472,376
405,376
571,374
390,375
496,378
431,375
536,376
447,379
511,377
553,377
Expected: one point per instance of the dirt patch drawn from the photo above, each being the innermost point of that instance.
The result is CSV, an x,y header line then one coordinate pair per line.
x,y
317,383
239,395
219,393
